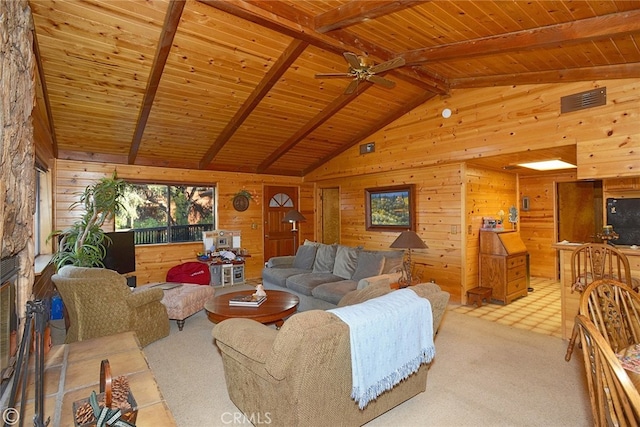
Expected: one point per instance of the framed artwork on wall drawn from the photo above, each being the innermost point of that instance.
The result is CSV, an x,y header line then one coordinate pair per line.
x,y
390,208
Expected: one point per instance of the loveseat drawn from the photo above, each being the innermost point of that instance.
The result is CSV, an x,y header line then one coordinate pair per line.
x,y
321,275
300,375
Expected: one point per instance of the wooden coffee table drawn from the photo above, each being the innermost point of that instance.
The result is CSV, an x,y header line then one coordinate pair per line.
x,y
278,306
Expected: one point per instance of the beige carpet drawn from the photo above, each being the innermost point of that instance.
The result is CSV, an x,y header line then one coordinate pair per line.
x,y
484,374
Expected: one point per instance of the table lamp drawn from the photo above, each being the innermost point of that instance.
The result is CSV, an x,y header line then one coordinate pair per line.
x,y
408,240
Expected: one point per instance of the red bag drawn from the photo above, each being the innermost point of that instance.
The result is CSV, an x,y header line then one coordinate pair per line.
x,y
190,272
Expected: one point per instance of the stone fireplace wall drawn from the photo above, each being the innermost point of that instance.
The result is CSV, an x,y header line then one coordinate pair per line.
x,y
17,152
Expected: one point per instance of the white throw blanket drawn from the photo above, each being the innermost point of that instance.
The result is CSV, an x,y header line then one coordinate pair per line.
x,y
391,336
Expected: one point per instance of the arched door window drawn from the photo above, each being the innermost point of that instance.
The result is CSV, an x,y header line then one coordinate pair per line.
x,y
281,200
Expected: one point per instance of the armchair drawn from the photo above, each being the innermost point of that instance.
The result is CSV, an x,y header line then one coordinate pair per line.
x,y
301,374
99,303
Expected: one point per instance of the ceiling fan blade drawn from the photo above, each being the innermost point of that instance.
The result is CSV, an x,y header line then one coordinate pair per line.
x,y
381,81
352,87
352,59
332,75
389,65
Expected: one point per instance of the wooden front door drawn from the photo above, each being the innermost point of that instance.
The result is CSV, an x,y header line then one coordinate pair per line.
x,y
278,237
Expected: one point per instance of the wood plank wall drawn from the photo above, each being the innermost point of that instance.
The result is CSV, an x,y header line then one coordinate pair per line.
x,y
439,208
486,122
608,142
538,224
153,261
496,121
487,193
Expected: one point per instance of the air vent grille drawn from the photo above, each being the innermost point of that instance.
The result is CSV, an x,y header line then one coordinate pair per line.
x,y
582,100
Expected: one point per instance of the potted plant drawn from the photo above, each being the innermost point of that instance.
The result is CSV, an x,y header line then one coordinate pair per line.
x,y
82,243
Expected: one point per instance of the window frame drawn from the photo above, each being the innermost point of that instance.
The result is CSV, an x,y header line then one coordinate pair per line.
x,y
168,184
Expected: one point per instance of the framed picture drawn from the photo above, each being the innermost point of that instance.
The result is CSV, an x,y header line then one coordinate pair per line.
x,y
390,208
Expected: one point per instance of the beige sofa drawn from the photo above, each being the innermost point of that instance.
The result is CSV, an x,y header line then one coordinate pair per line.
x,y
301,374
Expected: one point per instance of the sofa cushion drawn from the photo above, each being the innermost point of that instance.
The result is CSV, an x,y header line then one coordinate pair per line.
x,y
278,276
346,261
369,264
333,292
304,283
325,258
392,261
305,256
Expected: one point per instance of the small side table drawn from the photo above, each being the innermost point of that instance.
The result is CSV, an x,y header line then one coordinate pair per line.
x,y
476,295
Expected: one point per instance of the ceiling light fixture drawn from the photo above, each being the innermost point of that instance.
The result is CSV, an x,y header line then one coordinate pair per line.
x,y
446,113
548,165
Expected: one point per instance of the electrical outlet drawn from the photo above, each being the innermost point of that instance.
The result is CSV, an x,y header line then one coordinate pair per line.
x,y
454,229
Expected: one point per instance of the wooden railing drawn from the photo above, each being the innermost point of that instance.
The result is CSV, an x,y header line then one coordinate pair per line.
x,y
176,233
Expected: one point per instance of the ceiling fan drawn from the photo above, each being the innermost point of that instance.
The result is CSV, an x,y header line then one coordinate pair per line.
x,y
361,68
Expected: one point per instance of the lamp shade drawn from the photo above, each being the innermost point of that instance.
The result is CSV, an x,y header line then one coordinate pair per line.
x,y
408,240
293,216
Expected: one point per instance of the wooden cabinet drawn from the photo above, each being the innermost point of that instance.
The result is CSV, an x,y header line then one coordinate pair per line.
x,y
503,265
622,184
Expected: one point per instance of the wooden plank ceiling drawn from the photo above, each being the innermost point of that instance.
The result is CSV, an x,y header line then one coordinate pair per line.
x,y
230,85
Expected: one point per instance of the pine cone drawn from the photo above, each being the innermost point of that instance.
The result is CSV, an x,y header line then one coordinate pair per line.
x,y
120,393
84,414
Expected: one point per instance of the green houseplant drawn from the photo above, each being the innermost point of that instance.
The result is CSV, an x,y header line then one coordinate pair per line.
x,y
82,243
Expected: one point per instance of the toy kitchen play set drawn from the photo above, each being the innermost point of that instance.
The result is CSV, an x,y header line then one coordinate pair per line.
x,y
225,256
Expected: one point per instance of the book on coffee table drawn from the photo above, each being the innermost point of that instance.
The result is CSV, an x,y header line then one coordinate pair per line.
x,y
247,300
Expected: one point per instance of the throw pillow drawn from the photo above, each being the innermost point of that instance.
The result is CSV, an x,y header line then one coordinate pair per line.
x,y
305,257
369,264
346,261
325,258
392,261
309,242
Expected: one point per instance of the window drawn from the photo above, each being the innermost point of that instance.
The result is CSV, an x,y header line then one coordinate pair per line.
x,y
281,200
160,213
42,216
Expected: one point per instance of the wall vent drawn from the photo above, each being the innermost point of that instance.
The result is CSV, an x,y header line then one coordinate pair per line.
x,y
582,100
367,148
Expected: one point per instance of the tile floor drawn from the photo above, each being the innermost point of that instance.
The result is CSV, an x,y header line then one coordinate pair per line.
x,y
538,312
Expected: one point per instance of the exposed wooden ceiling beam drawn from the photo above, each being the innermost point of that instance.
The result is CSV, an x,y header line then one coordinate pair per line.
x,y
388,119
45,92
607,72
172,19
324,115
358,11
601,27
290,54
284,19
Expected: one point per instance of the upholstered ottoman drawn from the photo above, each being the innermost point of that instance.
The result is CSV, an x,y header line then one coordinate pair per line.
x,y
186,300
